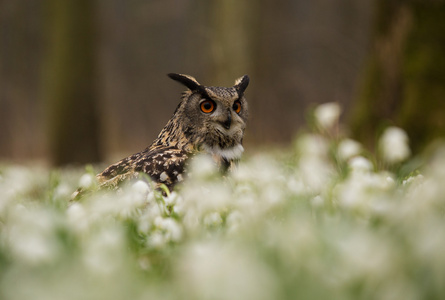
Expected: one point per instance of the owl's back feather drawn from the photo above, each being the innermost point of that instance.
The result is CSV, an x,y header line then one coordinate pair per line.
x,y
164,165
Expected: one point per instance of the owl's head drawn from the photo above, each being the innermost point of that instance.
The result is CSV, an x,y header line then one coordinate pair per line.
x,y
214,117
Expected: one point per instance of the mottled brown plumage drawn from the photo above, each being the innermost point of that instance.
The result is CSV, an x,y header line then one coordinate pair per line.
x,y
207,120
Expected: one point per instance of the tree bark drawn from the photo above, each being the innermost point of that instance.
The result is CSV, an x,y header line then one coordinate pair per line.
x,y
70,82
404,80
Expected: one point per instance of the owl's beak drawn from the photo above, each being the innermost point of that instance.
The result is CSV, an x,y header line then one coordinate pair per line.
x,y
226,124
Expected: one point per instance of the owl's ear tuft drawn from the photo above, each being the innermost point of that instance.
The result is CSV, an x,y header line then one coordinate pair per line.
x,y
190,82
241,84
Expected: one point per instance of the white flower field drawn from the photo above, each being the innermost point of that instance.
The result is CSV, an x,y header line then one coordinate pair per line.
x,y
323,219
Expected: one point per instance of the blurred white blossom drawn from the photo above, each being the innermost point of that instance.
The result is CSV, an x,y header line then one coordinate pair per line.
x,y
141,187
220,271
32,237
213,219
313,164
284,224
202,166
86,181
348,148
360,164
104,250
327,114
394,145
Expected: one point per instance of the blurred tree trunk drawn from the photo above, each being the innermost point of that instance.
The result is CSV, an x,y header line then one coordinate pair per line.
x,y
227,32
404,82
70,82
233,38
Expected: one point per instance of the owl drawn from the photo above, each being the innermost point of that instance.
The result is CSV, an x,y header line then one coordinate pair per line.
x,y
207,120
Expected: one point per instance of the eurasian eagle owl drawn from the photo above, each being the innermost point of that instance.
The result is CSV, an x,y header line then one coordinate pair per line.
x,y
207,120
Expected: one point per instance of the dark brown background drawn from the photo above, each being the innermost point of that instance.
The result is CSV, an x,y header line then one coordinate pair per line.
x,y
84,80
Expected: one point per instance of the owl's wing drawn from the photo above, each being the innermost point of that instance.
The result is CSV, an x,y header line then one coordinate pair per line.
x,y
164,165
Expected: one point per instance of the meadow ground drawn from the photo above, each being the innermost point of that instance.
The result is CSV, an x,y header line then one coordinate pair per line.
x,y
322,220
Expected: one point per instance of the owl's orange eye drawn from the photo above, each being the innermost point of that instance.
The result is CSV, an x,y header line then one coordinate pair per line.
x,y
207,106
237,107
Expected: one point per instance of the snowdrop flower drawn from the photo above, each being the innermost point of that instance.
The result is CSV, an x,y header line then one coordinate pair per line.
x,y
132,199
360,164
152,210
233,220
202,167
103,251
178,207
366,192
171,229
417,179
315,173
317,201
327,114
273,194
213,219
213,196
31,235
144,224
78,217
141,187
16,180
313,163
156,240
63,191
264,170
86,181
348,148
296,185
365,254
435,166
104,205
166,230
312,145
171,199
394,145
242,173
215,270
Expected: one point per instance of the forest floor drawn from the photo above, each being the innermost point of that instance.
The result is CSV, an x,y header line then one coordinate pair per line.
x,y
322,220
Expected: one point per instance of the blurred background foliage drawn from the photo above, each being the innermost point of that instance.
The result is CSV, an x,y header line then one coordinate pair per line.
x,y
84,80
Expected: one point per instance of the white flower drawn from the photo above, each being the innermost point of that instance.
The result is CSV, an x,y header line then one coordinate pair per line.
x,y
173,230
217,270
312,145
141,187
315,173
348,148
63,191
31,234
360,164
327,114
394,145
172,199
86,181
77,217
157,240
313,163
363,253
202,166
233,220
167,230
213,219
104,250
144,224
317,201
212,196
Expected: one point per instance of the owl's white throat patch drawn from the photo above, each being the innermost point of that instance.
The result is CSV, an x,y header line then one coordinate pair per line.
x,y
231,153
